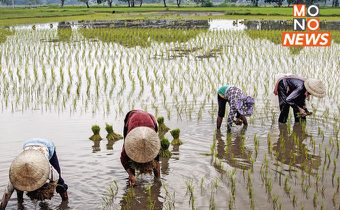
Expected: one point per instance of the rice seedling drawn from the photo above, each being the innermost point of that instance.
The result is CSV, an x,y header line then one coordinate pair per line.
x,y
110,195
175,134
111,135
169,203
190,192
164,151
96,136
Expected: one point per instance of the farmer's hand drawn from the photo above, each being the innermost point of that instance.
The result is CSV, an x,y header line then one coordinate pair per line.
x,y
132,180
302,112
238,121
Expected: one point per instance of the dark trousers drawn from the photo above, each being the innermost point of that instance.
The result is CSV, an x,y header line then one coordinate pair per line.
x,y
62,187
55,163
284,107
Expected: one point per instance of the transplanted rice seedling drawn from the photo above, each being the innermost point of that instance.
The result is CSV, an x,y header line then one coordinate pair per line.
x,y
111,135
109,196
175,134
162,128
164,151
96,136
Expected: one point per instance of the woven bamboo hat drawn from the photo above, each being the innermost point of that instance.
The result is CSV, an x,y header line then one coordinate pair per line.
x,y
315,87
29,170
142,144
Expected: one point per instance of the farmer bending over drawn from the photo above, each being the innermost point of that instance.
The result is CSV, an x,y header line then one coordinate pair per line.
x,y
240,104
141,145
35,170
293,92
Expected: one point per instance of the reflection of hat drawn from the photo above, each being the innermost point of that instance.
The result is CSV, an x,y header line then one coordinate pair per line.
x,y
29,170
245,106
315,87
142,144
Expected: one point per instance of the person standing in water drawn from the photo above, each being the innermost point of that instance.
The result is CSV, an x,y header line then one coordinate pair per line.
x,y
141,145
35,170
293,91
240,104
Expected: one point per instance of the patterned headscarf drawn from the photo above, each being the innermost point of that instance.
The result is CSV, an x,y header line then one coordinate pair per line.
x,y
245,105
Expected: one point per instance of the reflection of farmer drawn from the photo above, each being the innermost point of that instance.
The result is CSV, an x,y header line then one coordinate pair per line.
x,y
143,196
293,91
291,150
35,170
141,144
234,152
240,106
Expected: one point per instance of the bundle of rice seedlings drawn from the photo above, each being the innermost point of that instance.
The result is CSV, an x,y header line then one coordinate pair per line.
x,y
44,192
175,134
164,151
162,128
111,135
95,137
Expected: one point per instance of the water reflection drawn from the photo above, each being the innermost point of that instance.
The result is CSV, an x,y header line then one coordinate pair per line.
x,y
164,166
44,206
96,146
142,197
234,151
109,145
290,149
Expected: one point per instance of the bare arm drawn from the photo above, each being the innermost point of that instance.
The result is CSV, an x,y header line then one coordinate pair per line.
x,y
7,195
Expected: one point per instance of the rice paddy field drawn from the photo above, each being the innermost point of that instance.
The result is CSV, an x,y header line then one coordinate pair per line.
x,y
57,83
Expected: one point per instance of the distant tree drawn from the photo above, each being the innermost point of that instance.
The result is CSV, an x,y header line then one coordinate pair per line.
x,y
278,2
8,2
86,2
204,3
109,2
255,3
131,3
164,3
62,3
335,3
178,3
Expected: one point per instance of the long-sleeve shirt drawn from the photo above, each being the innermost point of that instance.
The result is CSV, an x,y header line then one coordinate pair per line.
x,y
232,95
133,119
46,147
294,94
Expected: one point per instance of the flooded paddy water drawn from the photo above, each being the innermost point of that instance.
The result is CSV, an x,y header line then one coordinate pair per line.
x,y
56,83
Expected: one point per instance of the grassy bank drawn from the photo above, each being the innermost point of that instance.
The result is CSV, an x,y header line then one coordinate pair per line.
x,y
10,16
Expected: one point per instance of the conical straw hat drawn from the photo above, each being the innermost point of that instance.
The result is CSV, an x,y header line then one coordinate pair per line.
x,y
142,144
315,87
29,170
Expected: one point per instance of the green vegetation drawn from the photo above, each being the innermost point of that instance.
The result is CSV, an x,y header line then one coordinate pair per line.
x,y
164,151
175,134
96,136
64,34
10,16
162,128
131,37
4,33
111,135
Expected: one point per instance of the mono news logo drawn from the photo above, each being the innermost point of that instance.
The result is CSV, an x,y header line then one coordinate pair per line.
x,y
306,25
